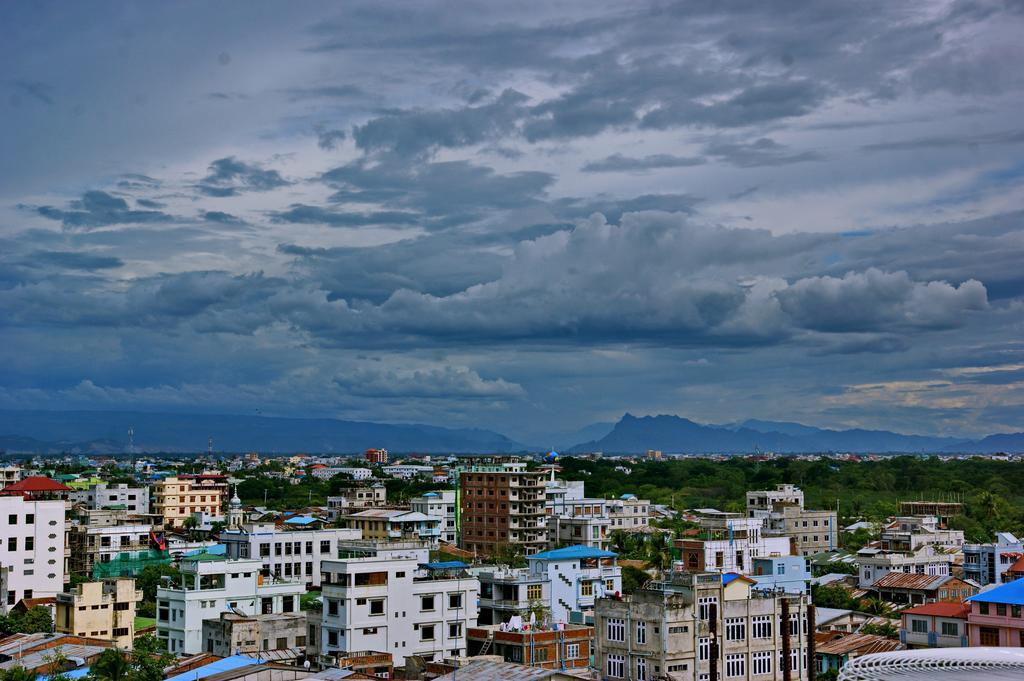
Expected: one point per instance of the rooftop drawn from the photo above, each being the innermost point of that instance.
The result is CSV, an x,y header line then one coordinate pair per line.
x,y
958,610
1011,593
910,580
572,553
37,483
862,644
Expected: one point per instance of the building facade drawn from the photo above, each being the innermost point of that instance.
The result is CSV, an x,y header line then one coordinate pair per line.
x,y
209,586
565,647
700,626
440,504
389,597
32,548
728,542
989,563
996,617
104,496
783,514
233,634
389,524
935,625
103,609
874,563
287,554
177,498
502,505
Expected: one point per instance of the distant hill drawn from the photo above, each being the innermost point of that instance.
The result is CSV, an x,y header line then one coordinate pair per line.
x,y
675,434
106,431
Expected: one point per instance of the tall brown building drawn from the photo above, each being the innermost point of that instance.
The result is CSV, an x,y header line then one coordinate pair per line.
x,y
502,503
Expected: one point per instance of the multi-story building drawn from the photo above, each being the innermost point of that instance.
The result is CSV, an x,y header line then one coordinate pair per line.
x,y
392,524
788,574
291,554
874,563
561,584
502,505
409,471
728,542
627,512
355,498
233,634
935,625
328,472
943,510
996,617
103,536
783,514
32,548
9,475
916,589
545,647
579,530
442,505
210,585
908,533
177,498
390,597
104,609
989,563
696,626
378,456
103,496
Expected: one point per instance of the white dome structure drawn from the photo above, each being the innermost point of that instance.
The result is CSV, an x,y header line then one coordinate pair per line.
x,y
937,664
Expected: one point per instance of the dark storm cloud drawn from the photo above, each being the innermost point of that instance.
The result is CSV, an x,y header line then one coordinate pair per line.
x,y
414,132
1006,137
97,209
230,177
620,163
76,261
761,152
221,217
303,214
329,139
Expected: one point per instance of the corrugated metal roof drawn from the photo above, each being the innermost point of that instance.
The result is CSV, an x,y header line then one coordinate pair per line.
x,y
958,610
862,644
910,580
487,670
224,665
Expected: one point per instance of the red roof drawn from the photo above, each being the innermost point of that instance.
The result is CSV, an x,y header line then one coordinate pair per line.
x,y
1018,566
37,483
958,610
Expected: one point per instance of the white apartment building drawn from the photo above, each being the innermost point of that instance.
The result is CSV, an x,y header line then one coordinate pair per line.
x,y
388,597
783,514
875,563
291,554
331,471
408,471
9,475
628,512
132,499
31,549
210,585
728,543
441,505
356,497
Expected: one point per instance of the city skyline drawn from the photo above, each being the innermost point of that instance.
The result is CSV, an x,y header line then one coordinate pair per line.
x,y
527,219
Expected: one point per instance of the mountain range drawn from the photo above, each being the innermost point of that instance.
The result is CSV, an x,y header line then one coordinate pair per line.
x,y
49,432
675,434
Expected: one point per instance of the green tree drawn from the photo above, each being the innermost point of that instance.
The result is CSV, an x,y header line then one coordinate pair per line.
x,y
875,606
111,665
832,596
887,629
151,577
17,674
633,578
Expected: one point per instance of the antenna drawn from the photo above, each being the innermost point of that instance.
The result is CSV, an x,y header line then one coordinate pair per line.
x,y
131,446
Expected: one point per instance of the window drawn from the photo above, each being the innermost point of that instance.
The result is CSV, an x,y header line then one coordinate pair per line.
x,y
950,629
12,519
641,633
989,636
735,665
427,632
761,626
325,546
616,666
30,543
455,601
919,626
704,604
455,630
641,669
735,629
609,585
587,589
426,603
12,543
983,609
332,607
616,630
703,648
761,662
572,651
1001,609
534,592
30,518
377,606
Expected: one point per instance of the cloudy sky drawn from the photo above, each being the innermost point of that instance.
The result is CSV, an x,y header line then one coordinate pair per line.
x,y
521,216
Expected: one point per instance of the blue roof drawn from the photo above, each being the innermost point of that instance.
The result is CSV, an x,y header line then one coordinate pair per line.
x,y
225,665
572,553
301,520
1011,593
730,577
215,550
76,673
430,494
625,497
448,565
